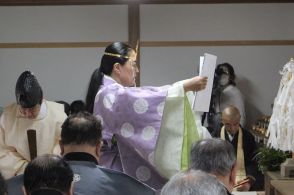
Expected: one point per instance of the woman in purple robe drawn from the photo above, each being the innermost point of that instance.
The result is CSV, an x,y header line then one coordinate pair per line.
x,y
132,114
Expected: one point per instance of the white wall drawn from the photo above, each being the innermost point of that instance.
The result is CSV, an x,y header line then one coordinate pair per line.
x,y
63,23
64,72
217,22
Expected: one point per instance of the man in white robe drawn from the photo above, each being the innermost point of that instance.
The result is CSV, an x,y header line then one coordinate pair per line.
x,y
30,111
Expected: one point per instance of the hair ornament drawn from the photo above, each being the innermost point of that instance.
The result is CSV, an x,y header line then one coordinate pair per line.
x,y
116,55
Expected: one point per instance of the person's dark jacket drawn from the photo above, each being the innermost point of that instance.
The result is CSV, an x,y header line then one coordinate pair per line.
x,y
92,179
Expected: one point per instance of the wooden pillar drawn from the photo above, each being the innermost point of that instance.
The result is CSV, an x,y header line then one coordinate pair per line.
x,y
134,32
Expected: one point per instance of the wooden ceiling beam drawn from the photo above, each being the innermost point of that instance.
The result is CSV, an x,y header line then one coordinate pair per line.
x,y
111,2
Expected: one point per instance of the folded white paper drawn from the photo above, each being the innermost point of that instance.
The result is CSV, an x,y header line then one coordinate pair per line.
x,y
202,98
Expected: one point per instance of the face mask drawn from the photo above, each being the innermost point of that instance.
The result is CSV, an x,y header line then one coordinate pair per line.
x,y
224,80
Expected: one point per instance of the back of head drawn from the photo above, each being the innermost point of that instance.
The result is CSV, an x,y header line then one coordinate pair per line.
x,y
3,186
28,91
77,106
214,156
193,182
116,52
48,172
81,128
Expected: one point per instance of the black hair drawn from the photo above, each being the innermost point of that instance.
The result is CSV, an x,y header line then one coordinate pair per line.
x,y
122,51
46,192
226,68
77,106
66,106
48,171
28,91
81,128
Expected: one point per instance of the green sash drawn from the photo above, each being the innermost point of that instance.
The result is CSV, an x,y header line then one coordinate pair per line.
x,y
190,134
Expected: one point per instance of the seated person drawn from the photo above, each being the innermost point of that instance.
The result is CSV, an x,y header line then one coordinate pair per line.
x,y
193,182
244,145
80,145
48,175
217,157
30,111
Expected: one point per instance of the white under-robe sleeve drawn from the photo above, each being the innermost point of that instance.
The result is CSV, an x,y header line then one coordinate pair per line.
x,y
202,131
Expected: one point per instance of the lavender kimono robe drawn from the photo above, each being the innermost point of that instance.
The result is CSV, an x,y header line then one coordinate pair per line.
x,y
134,116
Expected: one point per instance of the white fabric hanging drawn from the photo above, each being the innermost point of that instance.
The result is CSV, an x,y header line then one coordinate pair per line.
x,y
281,126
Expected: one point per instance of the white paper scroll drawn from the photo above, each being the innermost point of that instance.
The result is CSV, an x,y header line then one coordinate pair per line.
x,y
202,98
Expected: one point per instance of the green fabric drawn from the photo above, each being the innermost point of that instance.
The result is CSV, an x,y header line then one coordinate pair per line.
x,y
190,134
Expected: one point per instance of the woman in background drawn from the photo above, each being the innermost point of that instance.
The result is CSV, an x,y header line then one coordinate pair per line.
x,y
224,94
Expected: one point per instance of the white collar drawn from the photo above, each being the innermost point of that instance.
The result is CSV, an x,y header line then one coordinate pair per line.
x,y
110,78
43,110
231,137
42,113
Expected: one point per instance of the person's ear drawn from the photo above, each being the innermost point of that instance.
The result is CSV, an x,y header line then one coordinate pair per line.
x,y
98,147
222,122
116,68
61,148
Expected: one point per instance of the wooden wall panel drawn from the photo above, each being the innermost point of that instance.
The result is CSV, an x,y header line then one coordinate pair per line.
x,y
134,32
109,2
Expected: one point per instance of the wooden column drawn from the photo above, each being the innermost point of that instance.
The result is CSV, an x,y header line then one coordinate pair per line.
x,y
134,32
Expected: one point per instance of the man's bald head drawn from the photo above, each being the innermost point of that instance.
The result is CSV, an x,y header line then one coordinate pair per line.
x,y
231,112
231,119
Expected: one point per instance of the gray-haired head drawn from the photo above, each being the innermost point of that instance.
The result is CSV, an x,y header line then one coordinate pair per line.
x,y
214,156
193,182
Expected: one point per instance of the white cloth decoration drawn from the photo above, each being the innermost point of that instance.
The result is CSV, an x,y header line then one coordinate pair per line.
x,y
281,124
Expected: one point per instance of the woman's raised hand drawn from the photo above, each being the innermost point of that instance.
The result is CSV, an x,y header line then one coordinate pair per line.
x,y
197,83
